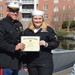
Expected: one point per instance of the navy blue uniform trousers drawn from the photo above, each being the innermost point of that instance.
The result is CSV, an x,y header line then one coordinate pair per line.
x,y
41,68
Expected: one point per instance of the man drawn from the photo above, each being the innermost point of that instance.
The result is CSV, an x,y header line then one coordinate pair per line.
x,y
10,46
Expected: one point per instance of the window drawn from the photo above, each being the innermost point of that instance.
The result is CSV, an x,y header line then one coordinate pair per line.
x,y
55,18
45,15
26,15
1,7
45,7
68,7
63,7
74,1
68,0
1,15
68,16
28,7
56,1
74,10
1,0
56,9
74,18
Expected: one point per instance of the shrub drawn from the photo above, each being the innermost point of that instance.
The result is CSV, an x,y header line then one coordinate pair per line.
x,y
61,33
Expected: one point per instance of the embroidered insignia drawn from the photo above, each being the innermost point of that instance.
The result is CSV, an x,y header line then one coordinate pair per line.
x,y
44,30
56,38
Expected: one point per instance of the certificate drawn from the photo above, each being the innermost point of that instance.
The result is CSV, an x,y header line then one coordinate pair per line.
x,y
31,43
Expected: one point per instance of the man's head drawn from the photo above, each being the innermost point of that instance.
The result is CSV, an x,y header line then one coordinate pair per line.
x,y
13,8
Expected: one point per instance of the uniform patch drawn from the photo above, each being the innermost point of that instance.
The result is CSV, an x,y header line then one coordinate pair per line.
x,y
56,38
44,30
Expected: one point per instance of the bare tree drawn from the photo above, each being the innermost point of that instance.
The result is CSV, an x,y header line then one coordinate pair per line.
x,y
63,15
69,17
57,19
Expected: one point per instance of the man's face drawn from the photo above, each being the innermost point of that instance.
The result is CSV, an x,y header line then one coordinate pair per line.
x,y
13,13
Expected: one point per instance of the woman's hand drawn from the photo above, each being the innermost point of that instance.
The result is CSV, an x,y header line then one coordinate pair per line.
x,y
42,43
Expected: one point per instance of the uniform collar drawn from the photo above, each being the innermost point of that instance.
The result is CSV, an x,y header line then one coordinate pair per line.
x,y
10,19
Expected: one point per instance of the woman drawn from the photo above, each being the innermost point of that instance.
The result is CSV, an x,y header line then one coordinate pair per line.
x,y
41,63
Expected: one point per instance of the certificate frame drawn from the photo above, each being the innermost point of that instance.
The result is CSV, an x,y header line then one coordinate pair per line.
x,y
31,43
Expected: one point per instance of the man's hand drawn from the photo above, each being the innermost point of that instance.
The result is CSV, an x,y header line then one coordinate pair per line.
x,y
20,46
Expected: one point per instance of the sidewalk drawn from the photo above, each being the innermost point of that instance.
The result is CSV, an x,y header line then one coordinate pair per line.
x,y
64,72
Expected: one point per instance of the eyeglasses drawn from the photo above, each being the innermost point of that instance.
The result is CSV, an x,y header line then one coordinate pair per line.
x,y
14,10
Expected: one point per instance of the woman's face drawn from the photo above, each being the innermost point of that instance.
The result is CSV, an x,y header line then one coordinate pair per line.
x,y
37,21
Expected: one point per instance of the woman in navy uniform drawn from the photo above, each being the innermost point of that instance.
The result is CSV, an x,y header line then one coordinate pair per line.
x,y
10,46
41,63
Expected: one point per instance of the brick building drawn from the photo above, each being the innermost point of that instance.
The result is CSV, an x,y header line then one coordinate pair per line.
x,y
50,7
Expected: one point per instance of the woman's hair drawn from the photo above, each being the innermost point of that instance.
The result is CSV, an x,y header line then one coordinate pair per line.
x,y
32,27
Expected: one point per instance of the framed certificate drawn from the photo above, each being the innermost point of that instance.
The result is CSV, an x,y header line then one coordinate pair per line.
x,y
31,43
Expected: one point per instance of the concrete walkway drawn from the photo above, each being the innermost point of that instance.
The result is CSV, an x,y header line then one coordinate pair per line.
x,y
63,72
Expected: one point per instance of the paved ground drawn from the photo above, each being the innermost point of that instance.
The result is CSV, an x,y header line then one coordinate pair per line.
x,y
63,72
